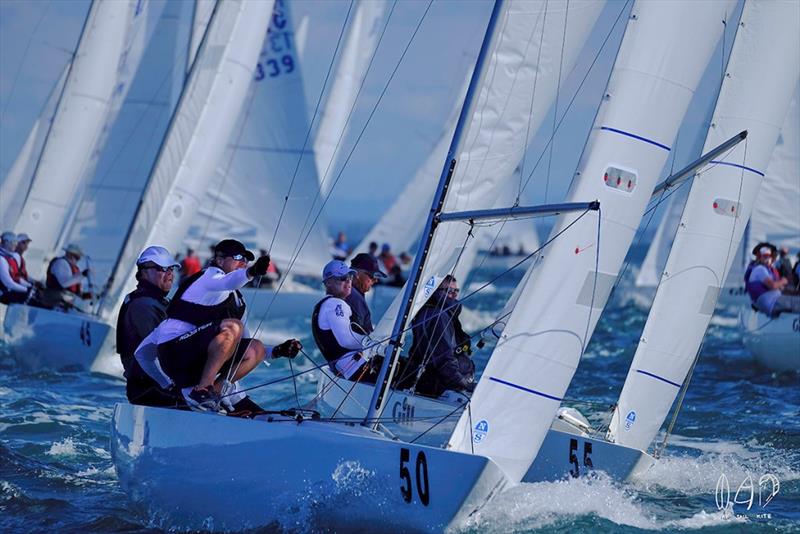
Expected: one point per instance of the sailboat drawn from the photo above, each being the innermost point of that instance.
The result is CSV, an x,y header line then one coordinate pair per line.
x,y
635,140
94,85
775,341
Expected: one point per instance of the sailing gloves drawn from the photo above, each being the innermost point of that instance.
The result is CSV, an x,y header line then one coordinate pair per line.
x,y
288,349
259,268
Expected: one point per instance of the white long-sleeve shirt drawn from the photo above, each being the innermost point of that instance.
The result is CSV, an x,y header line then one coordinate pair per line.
x,y
5,275
63,272
335,315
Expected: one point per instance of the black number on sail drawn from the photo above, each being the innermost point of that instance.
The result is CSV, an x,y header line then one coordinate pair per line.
x,y
587,455
405,475
422,479
573,458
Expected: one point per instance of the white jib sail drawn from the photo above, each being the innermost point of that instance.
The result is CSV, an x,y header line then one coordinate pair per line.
x,y
200,129
202,15
72,140
528,49
265,163
761,76
359,47
657,253
648,93
776,215
18,179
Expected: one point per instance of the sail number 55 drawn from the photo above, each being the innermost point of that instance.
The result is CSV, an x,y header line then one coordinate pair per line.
x,y
421,478
573,457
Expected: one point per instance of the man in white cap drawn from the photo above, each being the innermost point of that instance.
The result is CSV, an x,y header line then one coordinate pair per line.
x,y
331,324
64,274
764,284
203,345
142,311
23,240
13,287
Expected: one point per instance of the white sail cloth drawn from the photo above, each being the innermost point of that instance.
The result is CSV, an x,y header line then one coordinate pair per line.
x,y
202,124
265,192
362,40
522,78
761,76
93,92
656,257
648,93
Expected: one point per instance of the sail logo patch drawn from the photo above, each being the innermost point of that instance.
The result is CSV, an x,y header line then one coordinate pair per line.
x,y
630,419
430,285
480,431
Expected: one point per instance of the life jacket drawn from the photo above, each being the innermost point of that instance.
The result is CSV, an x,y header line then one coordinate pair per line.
x,y
190,265
53,283
756,289
13,267
199,314
23,271
127,339
325,339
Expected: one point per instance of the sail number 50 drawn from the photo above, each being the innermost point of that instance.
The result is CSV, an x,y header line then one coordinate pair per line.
x,y
423,489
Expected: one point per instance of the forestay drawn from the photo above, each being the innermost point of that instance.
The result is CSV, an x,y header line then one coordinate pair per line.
x,y
94,90
762,73
535,40
197,136
648,93
776,217
268,159
362,40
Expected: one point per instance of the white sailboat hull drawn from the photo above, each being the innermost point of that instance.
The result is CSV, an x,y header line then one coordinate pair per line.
x,y
188,470
41,338
409,417
774,342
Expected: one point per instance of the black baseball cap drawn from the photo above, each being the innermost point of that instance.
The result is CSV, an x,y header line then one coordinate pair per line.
x,y
365,262
232,247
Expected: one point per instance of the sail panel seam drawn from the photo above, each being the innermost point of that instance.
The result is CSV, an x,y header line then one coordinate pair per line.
x,y
651,375
523,388
743,167
634,136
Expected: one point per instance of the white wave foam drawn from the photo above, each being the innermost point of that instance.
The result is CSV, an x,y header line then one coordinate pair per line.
x,y
728,322
9,491
530,506
475,320
65,447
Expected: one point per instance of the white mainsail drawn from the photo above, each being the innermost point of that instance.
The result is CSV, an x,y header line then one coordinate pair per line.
x,y
362,39
761,76
265,163
527,55
648,93
91,93
17,181
657,253
196,139
776,215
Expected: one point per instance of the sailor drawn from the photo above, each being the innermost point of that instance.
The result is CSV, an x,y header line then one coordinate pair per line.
x,y
190,264
439,345
141,312
23,240
367,274
764,285
13,287
64,274
203,346
331,323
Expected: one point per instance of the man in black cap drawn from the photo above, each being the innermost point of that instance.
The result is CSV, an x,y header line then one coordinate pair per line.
x,y
203,345
367,274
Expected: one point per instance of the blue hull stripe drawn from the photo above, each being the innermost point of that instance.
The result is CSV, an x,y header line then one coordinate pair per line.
x,y
737,166
651,375
634,136
545,395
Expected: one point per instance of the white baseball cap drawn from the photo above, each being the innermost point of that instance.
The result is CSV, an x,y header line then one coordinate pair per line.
x,y
21,238
158,255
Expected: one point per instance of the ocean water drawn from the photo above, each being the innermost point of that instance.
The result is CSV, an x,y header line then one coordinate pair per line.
x,y
737,420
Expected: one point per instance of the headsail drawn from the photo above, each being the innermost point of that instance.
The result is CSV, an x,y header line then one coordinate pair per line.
x,y
196,139
93,93
761,76
648,93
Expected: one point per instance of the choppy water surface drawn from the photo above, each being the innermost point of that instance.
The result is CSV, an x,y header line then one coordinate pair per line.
x,y
737,420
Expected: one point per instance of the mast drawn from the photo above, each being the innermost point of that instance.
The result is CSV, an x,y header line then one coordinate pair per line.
x,y
393,349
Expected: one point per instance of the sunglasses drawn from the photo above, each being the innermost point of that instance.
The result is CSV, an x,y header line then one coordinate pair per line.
x,y
236,257
453,291
343,278
158,268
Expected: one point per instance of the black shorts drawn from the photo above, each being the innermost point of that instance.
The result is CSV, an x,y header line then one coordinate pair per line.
x,y
184,357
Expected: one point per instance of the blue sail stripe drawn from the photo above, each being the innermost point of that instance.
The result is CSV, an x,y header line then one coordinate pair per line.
x,y
634,136
737,166
651,375
523,388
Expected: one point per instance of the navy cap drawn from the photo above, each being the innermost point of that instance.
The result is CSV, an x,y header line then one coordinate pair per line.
x,y
232,247
368,264
336,268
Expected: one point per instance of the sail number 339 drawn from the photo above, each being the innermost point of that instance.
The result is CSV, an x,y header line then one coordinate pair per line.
x,y
421,478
